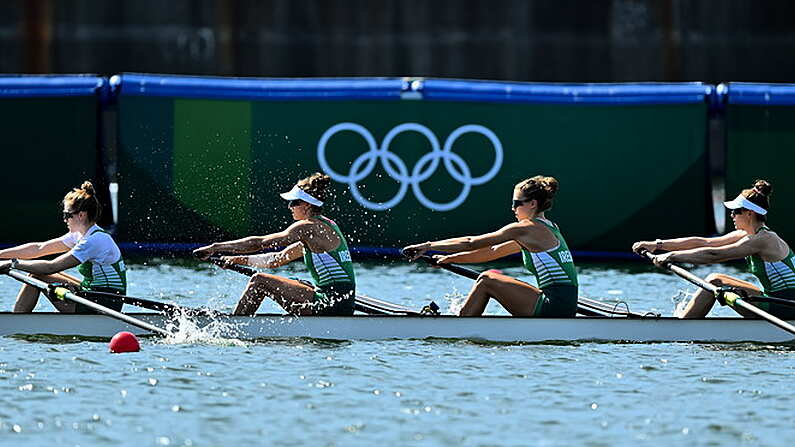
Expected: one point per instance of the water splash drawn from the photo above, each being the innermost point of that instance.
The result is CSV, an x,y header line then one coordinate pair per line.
x,y
455,301
208,331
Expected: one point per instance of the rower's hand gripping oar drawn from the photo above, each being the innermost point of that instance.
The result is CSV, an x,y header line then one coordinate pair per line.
x,y
65,294
723,295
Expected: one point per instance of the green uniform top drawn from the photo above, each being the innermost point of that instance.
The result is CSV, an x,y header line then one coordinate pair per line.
x,y
554,266
332,266
774,276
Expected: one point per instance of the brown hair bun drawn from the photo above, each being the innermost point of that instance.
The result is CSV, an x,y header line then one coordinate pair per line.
x,y
541,188
763,187
84,199
759,194
316,185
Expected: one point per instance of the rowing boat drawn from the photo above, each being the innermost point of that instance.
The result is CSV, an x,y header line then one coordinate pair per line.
x,y
385,327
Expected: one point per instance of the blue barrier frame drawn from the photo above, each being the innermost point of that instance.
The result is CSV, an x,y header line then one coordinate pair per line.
x,y
33,86
758,94
538,93
133,84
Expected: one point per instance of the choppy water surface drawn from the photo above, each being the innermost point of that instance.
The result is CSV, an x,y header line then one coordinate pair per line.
x,y
73,392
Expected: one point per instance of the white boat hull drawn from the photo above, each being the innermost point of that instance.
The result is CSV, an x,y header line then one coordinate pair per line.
x,y
491,328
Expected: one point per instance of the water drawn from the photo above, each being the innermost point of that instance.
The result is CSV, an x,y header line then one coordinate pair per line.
x,y
416,392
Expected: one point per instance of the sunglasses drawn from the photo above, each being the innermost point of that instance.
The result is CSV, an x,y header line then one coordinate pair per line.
x,y
736,212
517,203
293,203
69,214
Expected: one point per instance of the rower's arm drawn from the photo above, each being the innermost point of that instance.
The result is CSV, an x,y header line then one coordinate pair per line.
x,y
59,264
274,260
294,233
471,243
687,243
711,255
34,250
483,254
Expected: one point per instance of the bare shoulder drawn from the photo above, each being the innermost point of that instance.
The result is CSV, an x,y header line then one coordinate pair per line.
x,y
303,227
527,229
523,226
764,237
771,238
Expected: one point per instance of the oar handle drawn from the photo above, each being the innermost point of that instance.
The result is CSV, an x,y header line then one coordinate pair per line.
x,y
457,269
242,269
682,273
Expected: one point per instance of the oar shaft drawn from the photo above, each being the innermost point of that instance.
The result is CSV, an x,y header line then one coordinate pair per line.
x,y
732,299
457,269
152,305
684,274
64,293
242,269
590,308
763,315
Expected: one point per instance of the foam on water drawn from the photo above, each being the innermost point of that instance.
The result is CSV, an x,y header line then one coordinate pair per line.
x,y
185,330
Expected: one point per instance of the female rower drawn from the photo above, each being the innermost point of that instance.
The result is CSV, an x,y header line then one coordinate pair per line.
x,y
543,249
312,236
86,246
769,258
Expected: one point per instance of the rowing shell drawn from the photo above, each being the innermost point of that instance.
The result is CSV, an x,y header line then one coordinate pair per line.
x,y
367,327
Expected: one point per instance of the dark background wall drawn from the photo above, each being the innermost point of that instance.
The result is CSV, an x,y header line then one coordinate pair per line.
x,y
526,40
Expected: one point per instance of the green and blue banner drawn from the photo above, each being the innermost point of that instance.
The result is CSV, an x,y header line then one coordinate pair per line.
x,y
204,158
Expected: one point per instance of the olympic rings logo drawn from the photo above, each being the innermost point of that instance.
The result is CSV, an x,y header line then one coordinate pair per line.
x,y
395,167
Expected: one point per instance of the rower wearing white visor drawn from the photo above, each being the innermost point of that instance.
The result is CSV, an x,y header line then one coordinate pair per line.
x,y
312,236
769,258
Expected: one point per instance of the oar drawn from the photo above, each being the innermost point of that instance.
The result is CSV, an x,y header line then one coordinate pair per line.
x,y
363,303
64,294
724,296
154,305
585,306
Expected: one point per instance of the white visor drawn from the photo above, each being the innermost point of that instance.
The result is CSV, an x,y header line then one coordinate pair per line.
x,y
742,202
299,194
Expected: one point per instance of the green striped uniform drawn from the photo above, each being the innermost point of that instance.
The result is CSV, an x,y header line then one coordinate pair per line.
x,y
774,276
330,267
551,267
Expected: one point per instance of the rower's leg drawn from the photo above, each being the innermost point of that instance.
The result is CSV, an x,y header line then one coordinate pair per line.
x,y
29,296
517,297
702,302
293,296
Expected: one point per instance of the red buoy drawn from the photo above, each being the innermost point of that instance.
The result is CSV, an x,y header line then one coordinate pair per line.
x,y
124,342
